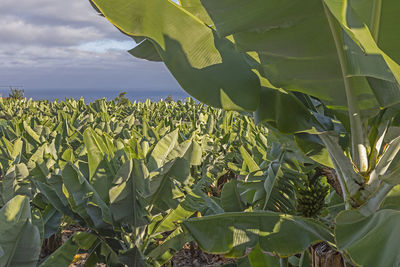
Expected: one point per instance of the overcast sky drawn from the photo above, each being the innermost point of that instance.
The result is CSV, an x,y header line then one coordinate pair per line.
x,y
65,44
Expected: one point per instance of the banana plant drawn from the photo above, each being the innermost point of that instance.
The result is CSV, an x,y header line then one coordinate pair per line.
x,y
79,164
131,206
326,71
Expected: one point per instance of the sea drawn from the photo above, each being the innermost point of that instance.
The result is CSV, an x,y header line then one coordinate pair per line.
x,y
91,94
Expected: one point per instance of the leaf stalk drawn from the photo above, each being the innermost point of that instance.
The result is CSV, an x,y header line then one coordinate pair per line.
x,y
358,139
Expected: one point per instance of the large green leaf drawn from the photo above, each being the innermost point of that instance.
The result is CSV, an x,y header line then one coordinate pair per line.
x,y
392,200
19,237
32,135
16,182
55,196
234,232
380,17
165,186
273,174
84,199
355,234
51,186
249,161
230,197
257,258
206,66
364,56
194,201
100,170
271,28
312,147
196,8
51,220
295,118
162,149
189,149
312,66
145,50
126,202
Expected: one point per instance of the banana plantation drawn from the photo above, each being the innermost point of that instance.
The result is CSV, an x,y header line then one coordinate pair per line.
x,y
137,179
291,157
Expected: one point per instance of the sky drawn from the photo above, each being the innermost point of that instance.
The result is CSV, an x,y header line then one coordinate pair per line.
x,y
65,45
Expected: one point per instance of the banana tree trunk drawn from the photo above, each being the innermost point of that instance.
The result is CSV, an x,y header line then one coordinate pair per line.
x,y
324,255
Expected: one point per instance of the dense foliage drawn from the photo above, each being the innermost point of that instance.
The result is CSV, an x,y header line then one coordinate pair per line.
x,y
325,71
129,174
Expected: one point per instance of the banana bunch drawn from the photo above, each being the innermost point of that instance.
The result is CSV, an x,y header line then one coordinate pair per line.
x,y
311,195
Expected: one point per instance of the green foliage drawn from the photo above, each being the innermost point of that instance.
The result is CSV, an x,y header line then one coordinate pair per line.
x,y
337,89
195,54
129,173
232,233
20,238
375,229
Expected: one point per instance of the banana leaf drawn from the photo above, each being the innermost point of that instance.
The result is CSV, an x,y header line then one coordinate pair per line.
x,y
19,237
232,233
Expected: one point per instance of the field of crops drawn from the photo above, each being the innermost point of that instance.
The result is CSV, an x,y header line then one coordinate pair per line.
x,y
134,180
314,183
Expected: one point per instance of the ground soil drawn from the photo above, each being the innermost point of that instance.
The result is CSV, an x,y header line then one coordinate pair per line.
x,y
192,256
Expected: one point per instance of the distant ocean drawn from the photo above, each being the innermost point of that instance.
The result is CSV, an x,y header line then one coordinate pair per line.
x,y
91,95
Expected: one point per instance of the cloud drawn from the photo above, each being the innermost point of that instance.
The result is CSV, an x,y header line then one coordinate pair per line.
x,y
53,23
14,30
47,43
102,46
56,12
